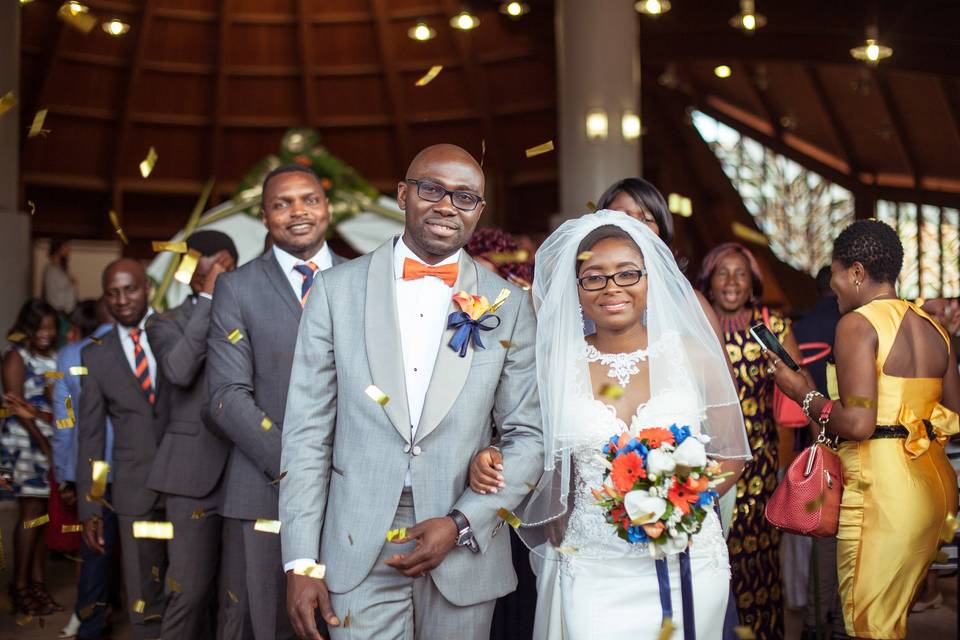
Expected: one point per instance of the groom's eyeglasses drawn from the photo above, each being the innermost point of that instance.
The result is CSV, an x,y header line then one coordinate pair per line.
x,y
433,192
621,279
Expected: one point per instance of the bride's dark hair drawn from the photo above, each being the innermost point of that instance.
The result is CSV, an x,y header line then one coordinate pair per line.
x,y
605,232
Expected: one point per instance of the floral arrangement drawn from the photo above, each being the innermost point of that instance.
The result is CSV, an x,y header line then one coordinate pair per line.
x,y
475,315
658,487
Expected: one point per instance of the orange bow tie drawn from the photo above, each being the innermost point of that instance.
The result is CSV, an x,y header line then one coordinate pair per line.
x,y
413,270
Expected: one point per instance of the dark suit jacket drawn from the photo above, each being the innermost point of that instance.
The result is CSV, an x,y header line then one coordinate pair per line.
x,y
111,390
248,379
191,458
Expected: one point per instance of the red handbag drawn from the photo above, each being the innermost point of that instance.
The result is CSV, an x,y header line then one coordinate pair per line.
x,y
807,502
60,515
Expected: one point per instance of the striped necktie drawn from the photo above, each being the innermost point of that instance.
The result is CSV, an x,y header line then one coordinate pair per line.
x,y
141,366
308,270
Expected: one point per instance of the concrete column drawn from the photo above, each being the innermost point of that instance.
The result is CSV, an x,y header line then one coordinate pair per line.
x,y
598,66
14,225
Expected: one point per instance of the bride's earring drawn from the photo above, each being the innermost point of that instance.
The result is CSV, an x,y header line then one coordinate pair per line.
x,y
857,283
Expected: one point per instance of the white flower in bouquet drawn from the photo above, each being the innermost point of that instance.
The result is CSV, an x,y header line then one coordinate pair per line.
x,y
691,454
642,507
660,462
676,543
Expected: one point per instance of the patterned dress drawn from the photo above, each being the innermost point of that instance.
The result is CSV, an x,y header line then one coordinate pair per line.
x,y
17,449
754,543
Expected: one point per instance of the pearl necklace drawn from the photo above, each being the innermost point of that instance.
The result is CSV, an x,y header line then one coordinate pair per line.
x,y
621,365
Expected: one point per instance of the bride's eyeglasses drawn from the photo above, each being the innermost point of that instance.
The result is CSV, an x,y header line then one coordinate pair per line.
x,y
598,282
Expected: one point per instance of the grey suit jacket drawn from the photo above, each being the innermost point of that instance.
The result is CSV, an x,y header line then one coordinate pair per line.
x,y
111,389
191,458
248,379
346,456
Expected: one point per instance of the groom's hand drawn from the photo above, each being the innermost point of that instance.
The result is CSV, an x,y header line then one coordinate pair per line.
x,y
304,596
435,537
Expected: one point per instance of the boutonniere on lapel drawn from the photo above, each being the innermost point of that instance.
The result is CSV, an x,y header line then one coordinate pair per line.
x,y
476,314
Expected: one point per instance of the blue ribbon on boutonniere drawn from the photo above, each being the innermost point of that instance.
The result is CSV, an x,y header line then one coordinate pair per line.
x,y
467,328
475,315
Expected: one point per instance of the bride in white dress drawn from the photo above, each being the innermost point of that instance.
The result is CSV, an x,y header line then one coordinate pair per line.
x,y
654,361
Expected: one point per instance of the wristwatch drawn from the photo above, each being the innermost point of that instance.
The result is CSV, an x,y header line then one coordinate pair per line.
x,y
464,532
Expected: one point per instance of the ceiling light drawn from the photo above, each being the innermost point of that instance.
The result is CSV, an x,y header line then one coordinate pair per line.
x,y
115,27
748,20
464,21
421,32
76,8
514,9
722,71
596,125
630,126
25,1
652,8
680,205
871,51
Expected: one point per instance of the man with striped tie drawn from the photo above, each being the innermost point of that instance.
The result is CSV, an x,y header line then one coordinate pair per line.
x,y
122,383
253,331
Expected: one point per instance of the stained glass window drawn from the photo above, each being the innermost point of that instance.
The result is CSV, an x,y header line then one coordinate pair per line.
x,y
931,248
798,210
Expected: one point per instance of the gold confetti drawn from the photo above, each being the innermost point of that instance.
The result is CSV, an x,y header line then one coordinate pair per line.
x,y
666,629
6,412
115,221
87,611
99,470
346,620
611,391
949,530
36,128
95,340
428,77
71,528
235,336
942,557
276,481
531,486
744,632
584,255
53,375
540,149
265,424
78,18
567,550
503,258
744,232
591,207
37,522
175,247
65,423
859,401
24,620
33,207
267,526
152,529
148,163
814,504
139,606
7,102
197,514
509,517
188,264
396,535
152,616
16,336
155,573
506,344
78,371
483,151
378,396
233,597
501,298
312,571
173,585
68,404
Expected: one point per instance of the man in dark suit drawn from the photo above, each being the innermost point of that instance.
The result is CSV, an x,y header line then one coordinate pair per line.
x,y
122,384
253,332
191,458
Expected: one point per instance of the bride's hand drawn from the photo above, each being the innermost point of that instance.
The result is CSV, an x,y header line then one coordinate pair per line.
x,y
485,471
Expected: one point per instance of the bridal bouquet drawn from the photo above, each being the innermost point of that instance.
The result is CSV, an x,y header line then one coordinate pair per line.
x,y
658,487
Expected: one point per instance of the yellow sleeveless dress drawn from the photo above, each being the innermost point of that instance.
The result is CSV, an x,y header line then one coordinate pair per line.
x,y
897,493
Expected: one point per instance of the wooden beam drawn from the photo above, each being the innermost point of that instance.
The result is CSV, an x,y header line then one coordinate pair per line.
x,y
219,96
123,135
836,124
763,97
394,89
306,72
952,108
899,126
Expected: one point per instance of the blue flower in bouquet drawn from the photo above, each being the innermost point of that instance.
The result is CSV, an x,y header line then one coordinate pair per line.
x,y
635,445
679,434
635,534
707,498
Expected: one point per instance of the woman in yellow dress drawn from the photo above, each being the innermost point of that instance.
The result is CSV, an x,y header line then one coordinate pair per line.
x,y
899,392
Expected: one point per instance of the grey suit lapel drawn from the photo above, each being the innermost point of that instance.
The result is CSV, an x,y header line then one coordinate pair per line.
x,y
382,337
277,278
450,370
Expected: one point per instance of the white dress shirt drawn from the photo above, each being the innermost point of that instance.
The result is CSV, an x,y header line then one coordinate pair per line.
x,y
422,306
322,258
127,343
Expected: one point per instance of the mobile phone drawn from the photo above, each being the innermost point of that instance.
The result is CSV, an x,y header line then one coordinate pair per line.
x,y
769,342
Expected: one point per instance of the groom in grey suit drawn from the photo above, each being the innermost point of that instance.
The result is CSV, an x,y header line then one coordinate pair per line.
x,y
358,467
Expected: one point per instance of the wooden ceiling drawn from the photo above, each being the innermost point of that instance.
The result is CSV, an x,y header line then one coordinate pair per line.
x,y
213,85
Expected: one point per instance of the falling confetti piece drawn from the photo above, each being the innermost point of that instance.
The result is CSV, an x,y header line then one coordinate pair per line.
x,y
24,620
276,481
235,336
346,620
6,412
175,247
509,517
744,633
148,163
429,75
71,528
312,571
7,102
78,371
87,611
16,336
95,340
396,535
99,471
33,207
567,550
153,530
265,424
666,629
942,557
501,298
506,344
591,207
859,401
531,486
267,526
36,128
744,232
540,149
513,256
188,264
197,514
584,255
611,391
378,396
233,597
483,151
115,221
814,504
79,20
53,375
68,405
152,616
37,522
173,585
139,606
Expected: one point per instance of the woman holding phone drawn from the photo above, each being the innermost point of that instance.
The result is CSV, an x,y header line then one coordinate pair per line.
x,y
899,391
